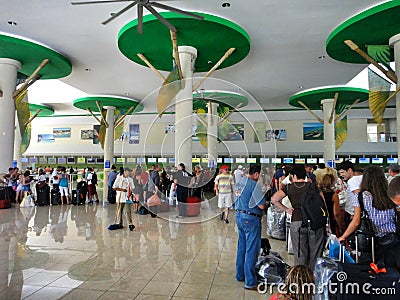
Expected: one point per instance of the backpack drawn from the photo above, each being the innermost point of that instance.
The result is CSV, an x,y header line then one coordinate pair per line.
x,y
94,178
313,209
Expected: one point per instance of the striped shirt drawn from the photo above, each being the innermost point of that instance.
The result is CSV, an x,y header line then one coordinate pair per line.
x,y
382,220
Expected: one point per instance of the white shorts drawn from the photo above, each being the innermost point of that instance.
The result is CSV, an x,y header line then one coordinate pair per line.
x,y
225,200
63,190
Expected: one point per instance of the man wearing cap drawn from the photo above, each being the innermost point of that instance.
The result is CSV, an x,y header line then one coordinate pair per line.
x,y
124,186
394,171
353,179
238,173
224,190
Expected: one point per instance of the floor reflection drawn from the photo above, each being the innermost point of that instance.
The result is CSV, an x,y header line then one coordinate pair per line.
x,y
55,252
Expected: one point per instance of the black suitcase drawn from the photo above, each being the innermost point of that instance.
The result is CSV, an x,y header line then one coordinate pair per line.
x,y
43,196
74,197
4,198
55,197
112,196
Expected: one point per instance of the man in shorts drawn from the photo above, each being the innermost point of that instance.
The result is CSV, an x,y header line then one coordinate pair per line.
x,y
224,190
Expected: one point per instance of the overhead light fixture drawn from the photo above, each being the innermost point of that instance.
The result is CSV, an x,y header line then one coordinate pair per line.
x,y
12,23
88,69
301,87
322,57
226,4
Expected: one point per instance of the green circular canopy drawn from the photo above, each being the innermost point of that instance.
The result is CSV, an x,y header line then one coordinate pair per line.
x,y
212,37
120,103
30,54
223,99
312,98
45,110
374,26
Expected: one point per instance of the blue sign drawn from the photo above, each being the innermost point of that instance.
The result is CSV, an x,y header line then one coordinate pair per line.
x,y
331,164
107,164
15,163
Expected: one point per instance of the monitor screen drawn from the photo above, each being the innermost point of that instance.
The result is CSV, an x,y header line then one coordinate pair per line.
x,y
43,160
195,159
377,160
312,160
219,160
162,159
70,160
392,160
339,160
33,160
131,160
276,160
81,160
52,160
251,160
364,160
91,160
228,160
141,160
100,160
24,160
240,160
61,160
300,161
172,160
321,160
288,160
152,160
204,160
264,160
120,160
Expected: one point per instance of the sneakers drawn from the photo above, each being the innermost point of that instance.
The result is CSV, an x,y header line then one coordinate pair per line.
x,y
131,227
97,201
90,202
226,221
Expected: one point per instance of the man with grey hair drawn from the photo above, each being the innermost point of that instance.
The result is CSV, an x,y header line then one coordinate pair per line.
x,y
394,171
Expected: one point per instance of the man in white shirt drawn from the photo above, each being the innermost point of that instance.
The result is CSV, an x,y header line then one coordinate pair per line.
x,y
54,176
238,173
124,186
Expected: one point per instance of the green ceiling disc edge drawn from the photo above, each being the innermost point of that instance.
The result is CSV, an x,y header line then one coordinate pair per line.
x,y
223,99
312,98
31,54
212,37
374,26
45,110
120,103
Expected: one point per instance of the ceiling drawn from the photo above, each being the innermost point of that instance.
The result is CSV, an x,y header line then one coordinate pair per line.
x,y
287,40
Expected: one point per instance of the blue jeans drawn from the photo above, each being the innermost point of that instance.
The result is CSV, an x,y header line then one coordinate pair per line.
x,y
249,244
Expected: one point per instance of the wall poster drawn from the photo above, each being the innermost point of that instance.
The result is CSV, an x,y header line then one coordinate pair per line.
x,y
134,133
313,131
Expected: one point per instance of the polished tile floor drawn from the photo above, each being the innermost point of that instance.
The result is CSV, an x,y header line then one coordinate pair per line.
x,y
66,252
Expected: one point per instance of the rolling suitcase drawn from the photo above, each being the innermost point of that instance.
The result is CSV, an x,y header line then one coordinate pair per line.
x,y
55,197
4,198
112,196
74,197
193,206
43,196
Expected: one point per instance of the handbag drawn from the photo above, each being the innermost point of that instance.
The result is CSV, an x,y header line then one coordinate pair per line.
x,y
342,197
154,200
365,230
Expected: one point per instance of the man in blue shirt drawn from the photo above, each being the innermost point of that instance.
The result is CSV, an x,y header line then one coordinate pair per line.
x,y
249,205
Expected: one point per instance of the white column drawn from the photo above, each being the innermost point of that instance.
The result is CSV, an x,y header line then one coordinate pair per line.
x,y
212,131
108,147
329,131
395,42
8,81
17,143
184,108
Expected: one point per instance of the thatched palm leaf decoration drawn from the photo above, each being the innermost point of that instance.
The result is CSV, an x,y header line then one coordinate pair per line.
x,y
169,89
102,132
119,130
340,127
23,115
379,90
201,130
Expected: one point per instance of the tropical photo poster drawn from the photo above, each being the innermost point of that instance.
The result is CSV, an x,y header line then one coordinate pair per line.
x,y
231,132
62,133
86,134
275,135
134,133
313,131
46,138
259,131
96,131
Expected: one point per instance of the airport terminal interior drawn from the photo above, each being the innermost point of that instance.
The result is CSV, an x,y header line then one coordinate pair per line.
x,y
212,84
